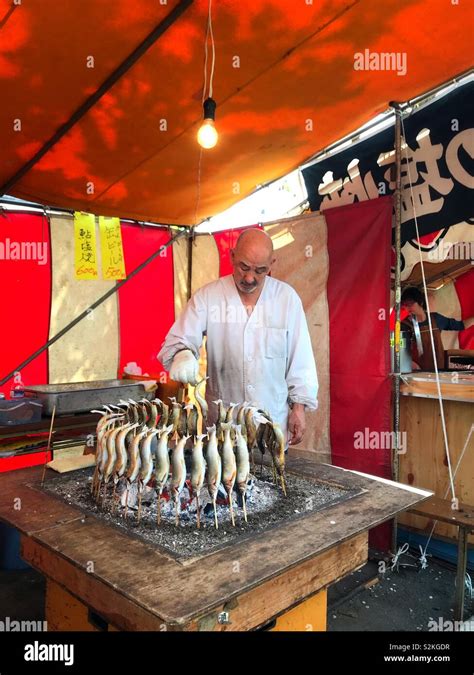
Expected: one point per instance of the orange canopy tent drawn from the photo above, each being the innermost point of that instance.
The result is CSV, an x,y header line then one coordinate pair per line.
x,y
285,87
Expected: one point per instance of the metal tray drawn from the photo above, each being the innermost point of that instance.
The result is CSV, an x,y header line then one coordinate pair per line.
x,y
74,397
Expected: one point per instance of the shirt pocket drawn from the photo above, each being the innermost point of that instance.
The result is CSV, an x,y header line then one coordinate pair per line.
x,y
275,343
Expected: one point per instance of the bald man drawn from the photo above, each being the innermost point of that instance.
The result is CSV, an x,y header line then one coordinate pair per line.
x,y
258,344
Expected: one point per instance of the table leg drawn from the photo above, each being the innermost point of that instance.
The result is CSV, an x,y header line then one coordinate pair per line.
x,y
460,575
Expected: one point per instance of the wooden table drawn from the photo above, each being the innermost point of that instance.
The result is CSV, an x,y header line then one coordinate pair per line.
x,y
133,585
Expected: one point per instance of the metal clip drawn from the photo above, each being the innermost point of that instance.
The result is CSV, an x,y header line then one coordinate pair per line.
x,y
223,618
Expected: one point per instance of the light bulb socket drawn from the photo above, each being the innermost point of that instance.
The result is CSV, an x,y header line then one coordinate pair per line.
x,y
209,106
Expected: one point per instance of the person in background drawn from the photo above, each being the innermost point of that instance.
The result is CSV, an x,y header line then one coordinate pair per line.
x,y
414,302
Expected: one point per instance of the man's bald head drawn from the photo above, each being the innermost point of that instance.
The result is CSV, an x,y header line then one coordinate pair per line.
x,y
252,259
255,239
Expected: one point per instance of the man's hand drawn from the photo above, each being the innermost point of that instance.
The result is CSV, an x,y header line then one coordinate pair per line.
x,y
185,367
296,424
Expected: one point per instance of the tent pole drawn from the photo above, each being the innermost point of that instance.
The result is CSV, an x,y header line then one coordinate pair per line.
x,y
397,374
190,263
91,308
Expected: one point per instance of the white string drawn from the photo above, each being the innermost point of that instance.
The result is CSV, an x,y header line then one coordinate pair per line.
x,y
468,583
403,549
208,32
438,385
205,63
423,560
468,438
211,78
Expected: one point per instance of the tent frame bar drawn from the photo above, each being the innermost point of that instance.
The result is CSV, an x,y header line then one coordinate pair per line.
x,y
129,61
397,283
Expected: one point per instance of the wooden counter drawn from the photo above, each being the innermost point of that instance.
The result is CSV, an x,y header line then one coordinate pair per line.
x,y
455,386
425,463
136,586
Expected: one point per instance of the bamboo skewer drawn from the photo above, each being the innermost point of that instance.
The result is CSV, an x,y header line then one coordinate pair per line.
x,y
158,511
215,514
198,515
139,515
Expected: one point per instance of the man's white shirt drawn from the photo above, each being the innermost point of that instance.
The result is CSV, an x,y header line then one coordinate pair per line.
x,y
265,358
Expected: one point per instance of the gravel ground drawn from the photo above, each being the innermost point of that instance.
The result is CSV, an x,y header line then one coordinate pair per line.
x,y
407,600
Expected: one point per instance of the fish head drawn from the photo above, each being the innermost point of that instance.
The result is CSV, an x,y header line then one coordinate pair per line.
x,y
260,419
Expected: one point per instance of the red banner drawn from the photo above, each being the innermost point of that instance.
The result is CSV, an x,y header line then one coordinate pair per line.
x,y
146,302
465,289
25,280
358,293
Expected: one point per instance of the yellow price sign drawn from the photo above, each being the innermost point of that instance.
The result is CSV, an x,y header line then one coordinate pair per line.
x,y
113,263
85,249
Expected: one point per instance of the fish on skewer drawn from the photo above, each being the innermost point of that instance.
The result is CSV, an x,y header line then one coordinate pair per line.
x,y
202,401
198,471
178,473
101,459
262,437
229,466
221,413
243,466
182,427
134,410
261,444
229,412
165,411
214,468
162,466
241,419
251,427
175,415
111,459
144,406
192,419
134,463
277,451
102,425
146,466
153,411
122,457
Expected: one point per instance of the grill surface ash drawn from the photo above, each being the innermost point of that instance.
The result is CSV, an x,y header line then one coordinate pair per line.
x,y
266,508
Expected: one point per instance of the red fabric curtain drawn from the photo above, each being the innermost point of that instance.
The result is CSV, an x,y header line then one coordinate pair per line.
x,y
146,302
358,292
25,279
226,241
465,290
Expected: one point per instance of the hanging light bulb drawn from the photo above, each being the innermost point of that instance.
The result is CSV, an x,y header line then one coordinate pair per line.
x,y
207,135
